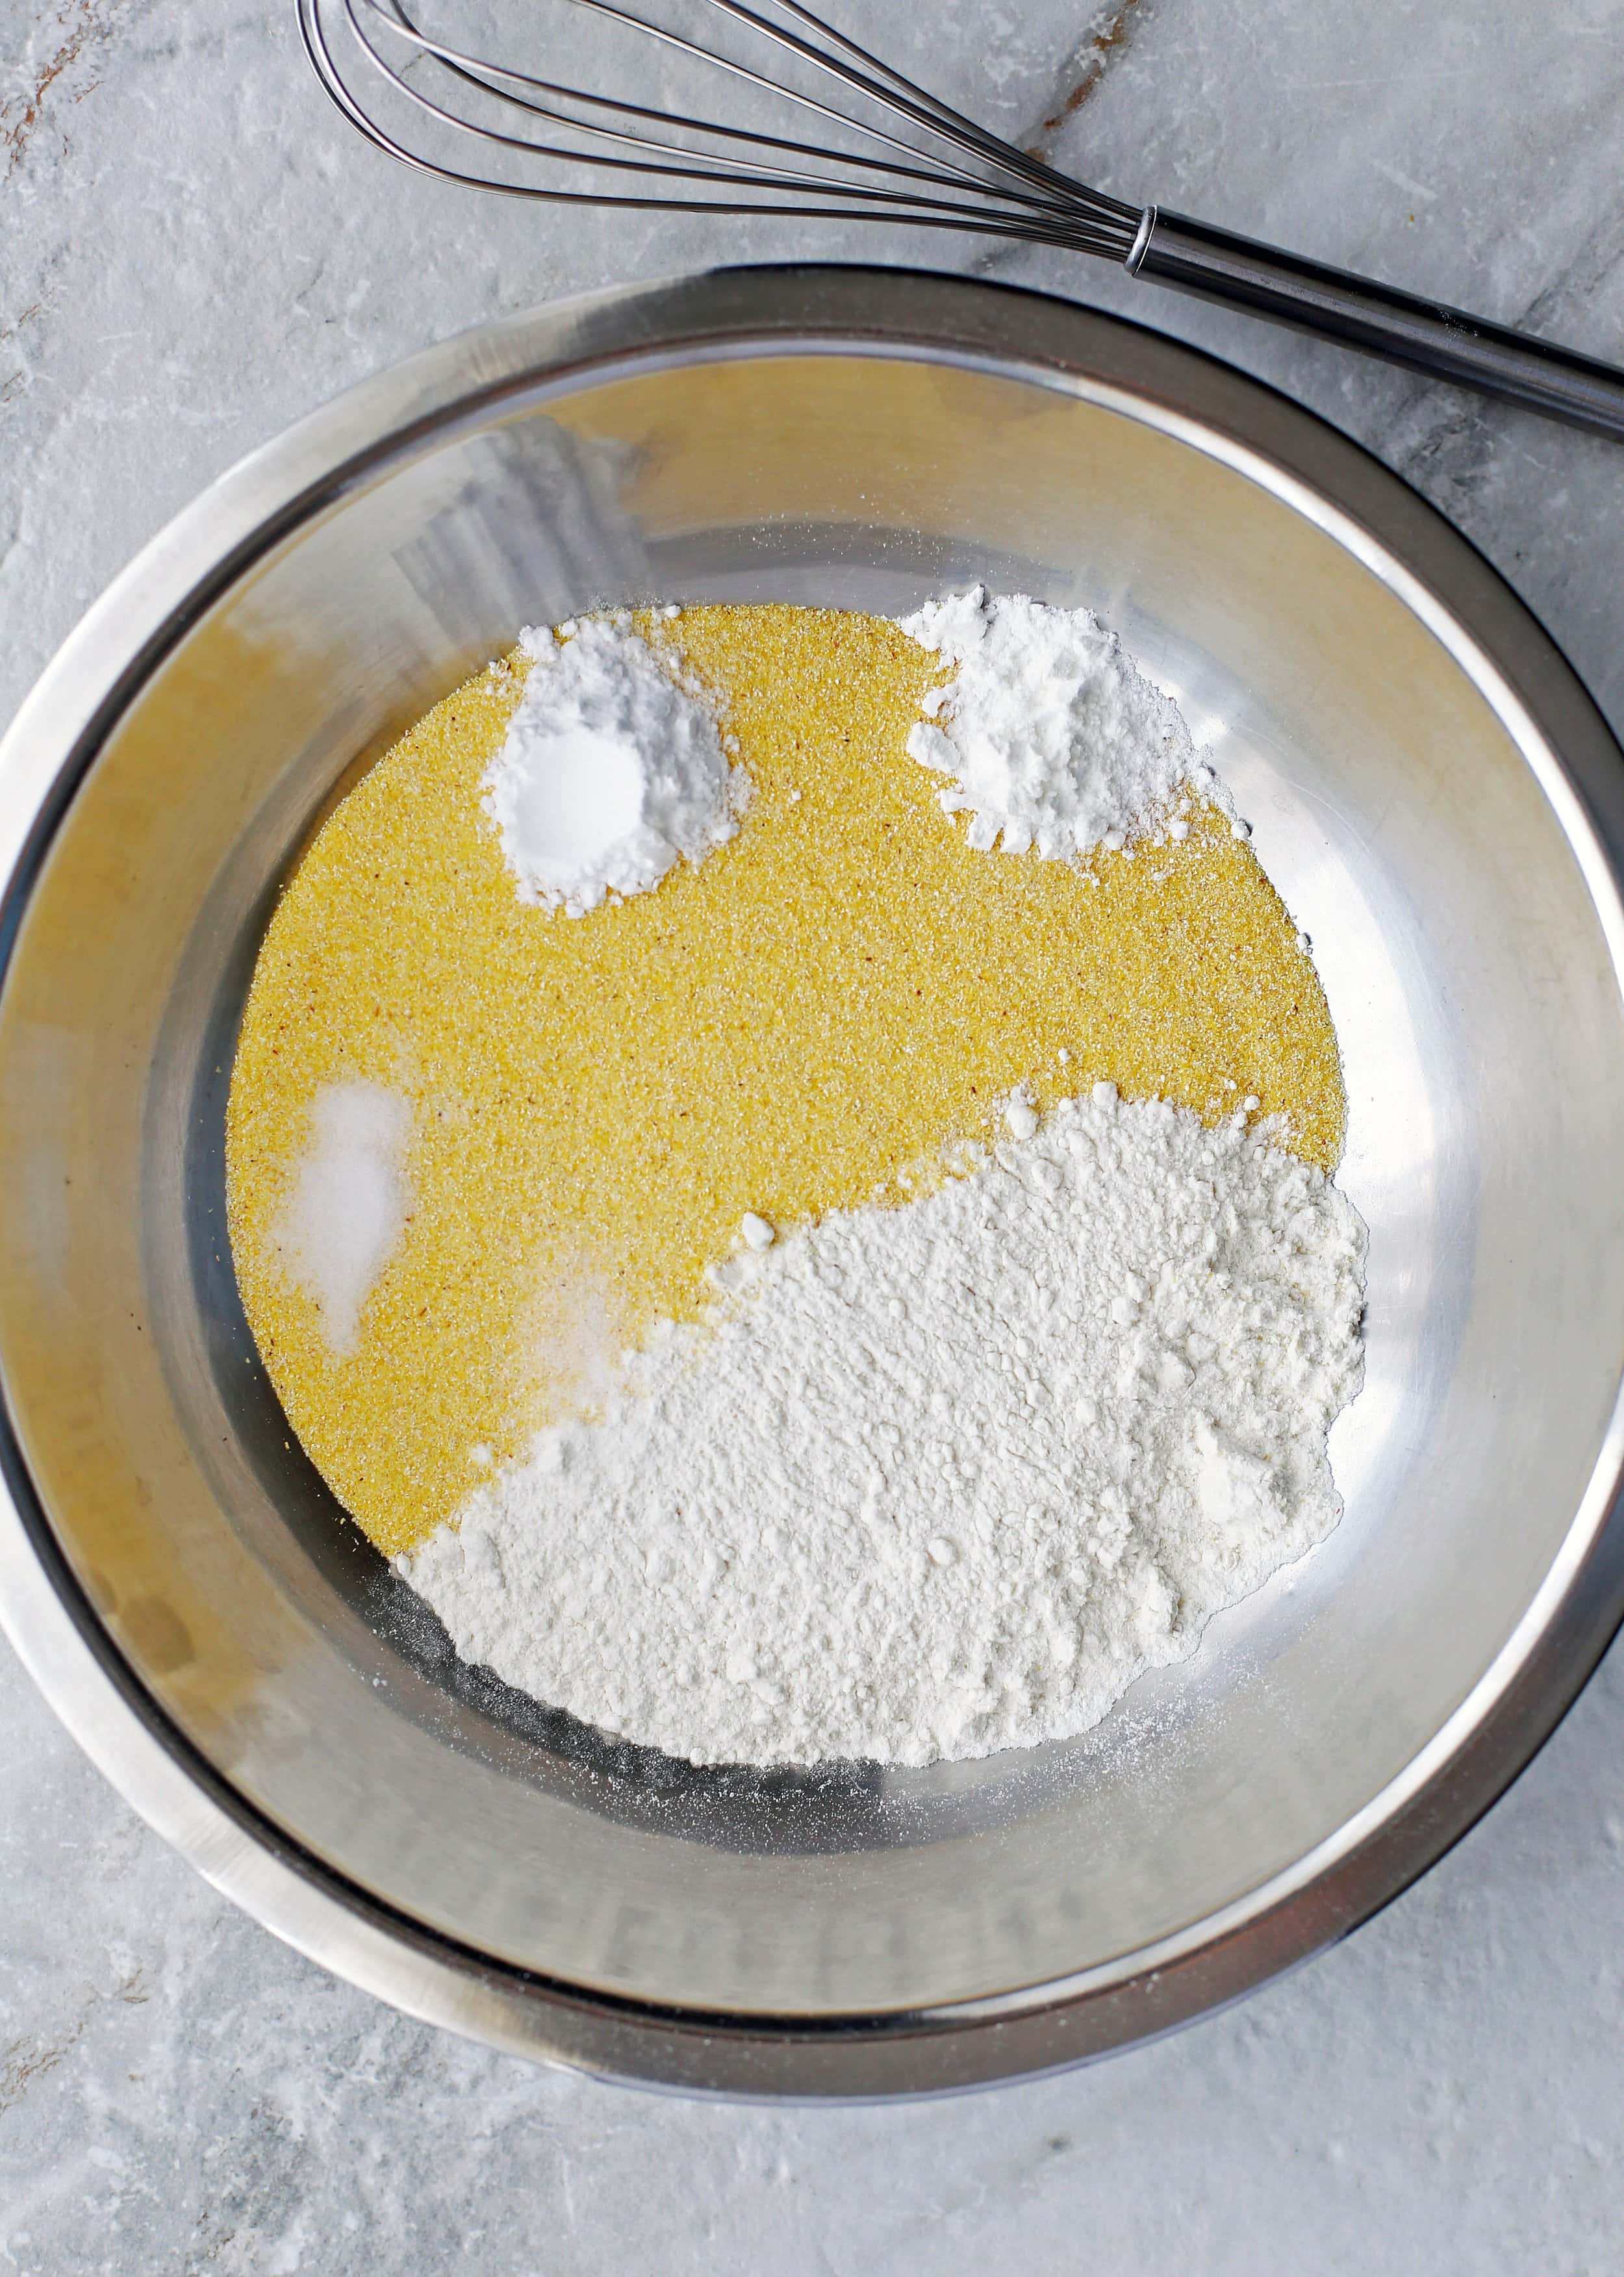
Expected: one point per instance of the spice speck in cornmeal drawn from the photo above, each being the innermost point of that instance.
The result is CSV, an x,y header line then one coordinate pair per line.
x,y
803,1022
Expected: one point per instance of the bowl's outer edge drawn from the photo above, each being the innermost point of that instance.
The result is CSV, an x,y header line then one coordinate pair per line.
x,y
1517,667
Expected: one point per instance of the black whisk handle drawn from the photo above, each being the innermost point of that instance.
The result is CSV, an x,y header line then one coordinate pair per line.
x,y
1427,335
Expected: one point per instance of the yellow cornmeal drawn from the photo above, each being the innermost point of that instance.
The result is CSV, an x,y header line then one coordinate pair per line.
x,y
803,1023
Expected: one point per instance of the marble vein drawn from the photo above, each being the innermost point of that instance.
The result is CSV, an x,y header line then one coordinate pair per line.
x,y
83,25
1104,40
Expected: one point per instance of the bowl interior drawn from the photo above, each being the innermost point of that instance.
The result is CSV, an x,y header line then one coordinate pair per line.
x,y
1420,833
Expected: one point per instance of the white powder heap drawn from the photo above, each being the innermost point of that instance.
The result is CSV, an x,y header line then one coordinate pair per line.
x,y
941,1478
1050,734
348,1201
612,769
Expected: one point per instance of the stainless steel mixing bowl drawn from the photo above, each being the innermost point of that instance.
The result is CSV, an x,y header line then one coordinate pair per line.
x,y
1444,810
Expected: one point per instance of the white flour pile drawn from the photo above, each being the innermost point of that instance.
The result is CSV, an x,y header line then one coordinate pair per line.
x,y
348,1201
1051,736
612,770
941,1478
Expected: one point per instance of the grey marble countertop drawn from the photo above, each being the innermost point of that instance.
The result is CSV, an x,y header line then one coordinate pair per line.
x,y
192,254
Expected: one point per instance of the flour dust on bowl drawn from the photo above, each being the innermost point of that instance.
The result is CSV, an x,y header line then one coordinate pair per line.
x,y
1439,807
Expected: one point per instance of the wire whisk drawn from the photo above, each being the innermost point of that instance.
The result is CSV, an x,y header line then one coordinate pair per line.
x,y
874,146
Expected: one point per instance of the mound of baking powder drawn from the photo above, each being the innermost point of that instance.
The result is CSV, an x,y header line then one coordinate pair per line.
x,y
1051,735
346,1206
612,769
941,1478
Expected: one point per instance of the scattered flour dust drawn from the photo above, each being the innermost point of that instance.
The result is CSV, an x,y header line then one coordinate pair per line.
x,y
612,769
1051,735
944,1479
347,1202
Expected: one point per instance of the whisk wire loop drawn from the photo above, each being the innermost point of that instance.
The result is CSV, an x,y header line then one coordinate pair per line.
x,y
479,72
896,181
